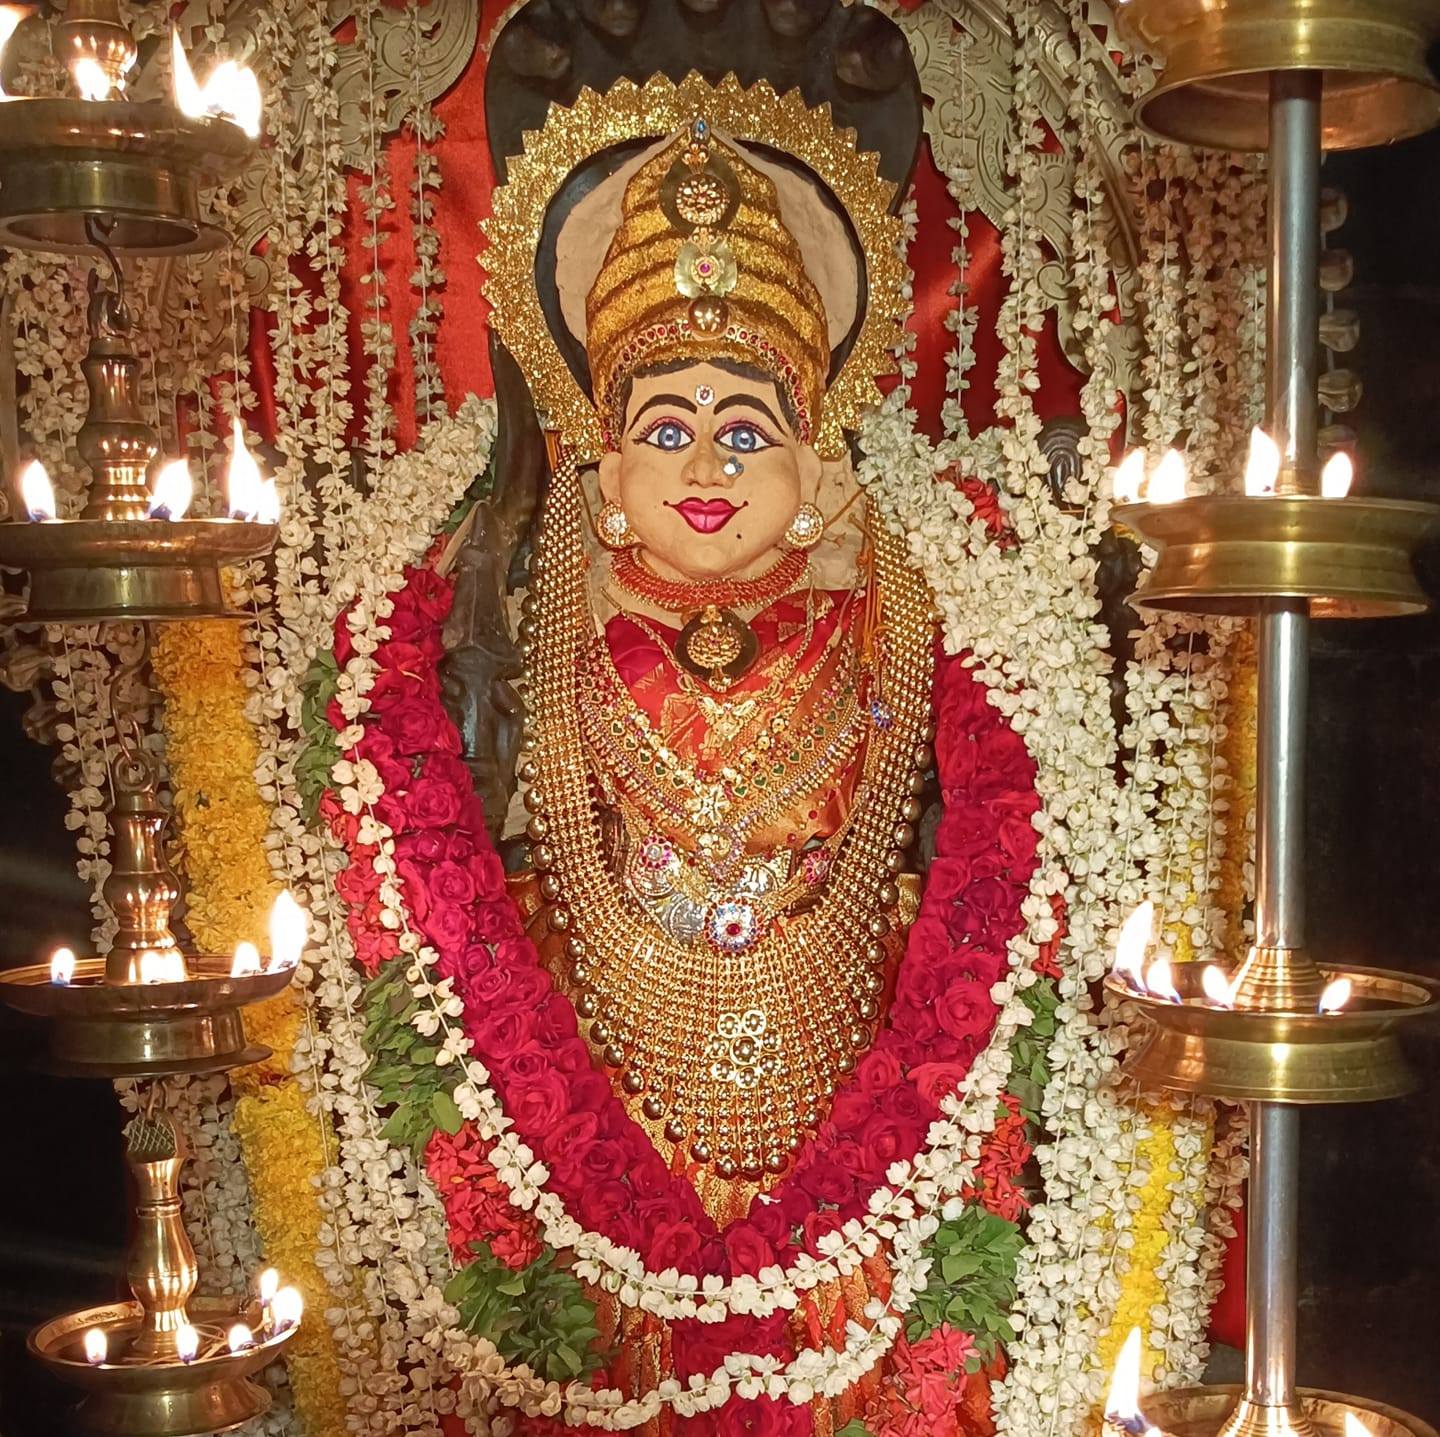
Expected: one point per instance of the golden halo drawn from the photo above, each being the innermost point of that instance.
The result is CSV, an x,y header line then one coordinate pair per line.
x,y
627,111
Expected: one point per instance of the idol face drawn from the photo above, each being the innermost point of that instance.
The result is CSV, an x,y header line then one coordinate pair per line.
x,y
709,472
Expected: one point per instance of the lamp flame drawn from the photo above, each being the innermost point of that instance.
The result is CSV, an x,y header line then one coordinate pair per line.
x,y
97,1346
243,477
1130,947
62,965
269,509
1335,996
286,1308
162,966
90,79
1128,477
187,1342
174,489
268,1285
1170,480
1335,480
233,91
240,1337
1354,1427
1160,980
1122,1403
10,18
289,928
1262,465
37,491
247,960
230,90
1218,990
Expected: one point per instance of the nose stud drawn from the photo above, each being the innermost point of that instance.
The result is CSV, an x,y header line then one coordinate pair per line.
x,y
732,468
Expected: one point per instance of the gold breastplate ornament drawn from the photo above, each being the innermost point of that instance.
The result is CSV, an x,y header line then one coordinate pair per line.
x,y
731,989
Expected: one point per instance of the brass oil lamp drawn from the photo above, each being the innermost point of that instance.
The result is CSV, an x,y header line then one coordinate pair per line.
x,y
104,175
166,1363
1291,77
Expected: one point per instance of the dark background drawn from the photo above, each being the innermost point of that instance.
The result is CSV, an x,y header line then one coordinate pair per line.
x,y
1370,1206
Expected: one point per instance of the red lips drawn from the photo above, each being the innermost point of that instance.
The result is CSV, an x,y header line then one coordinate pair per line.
x,y
707,516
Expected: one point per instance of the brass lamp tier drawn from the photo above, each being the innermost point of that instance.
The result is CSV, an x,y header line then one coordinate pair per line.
x,y
135,167
90,570
1281,1057
135,1396
1218,1412
1227,553
143,1030
1218,58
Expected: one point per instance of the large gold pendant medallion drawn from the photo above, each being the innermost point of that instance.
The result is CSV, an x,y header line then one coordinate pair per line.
x,y
717,646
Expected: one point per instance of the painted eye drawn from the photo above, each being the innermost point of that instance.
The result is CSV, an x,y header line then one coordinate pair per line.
x,y
745,438
669,436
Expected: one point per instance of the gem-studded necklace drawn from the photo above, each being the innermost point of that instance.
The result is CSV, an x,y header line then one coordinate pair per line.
x,y
676,596
736,1043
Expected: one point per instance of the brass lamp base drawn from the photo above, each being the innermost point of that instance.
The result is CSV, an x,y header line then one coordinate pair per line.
x,y
90,570
1215,1412
1215,89
1299,1057
128,1395
1225,554
137,168
140,1030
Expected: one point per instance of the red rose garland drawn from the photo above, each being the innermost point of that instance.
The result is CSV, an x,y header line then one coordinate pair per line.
x,y
601,1163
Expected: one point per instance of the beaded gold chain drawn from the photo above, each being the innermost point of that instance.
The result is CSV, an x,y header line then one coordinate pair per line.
x,y
739,1048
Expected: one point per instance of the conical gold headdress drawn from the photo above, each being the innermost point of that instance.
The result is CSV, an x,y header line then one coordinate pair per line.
x,y
647,259
702,267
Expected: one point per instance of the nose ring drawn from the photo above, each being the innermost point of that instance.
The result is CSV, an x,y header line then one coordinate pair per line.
x,y
732,468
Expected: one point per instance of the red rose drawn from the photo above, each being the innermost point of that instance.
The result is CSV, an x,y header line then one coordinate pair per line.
x,y
826,1181
673,1244
936,1081
432,803
502,1030
416,880
425,845
538,1103
965,1010
601,1203
747,1251
452,882
413,724
878,1070
603,1160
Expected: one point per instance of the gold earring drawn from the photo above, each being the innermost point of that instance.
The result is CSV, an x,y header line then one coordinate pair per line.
x,y
805,528
613,528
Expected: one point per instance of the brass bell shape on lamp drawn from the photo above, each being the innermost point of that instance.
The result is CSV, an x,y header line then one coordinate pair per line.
x,y
1218,56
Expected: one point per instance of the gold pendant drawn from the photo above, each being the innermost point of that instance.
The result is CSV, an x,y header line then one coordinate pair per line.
x,y
717,646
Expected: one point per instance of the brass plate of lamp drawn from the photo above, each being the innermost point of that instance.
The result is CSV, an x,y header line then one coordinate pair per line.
x,y
1218,59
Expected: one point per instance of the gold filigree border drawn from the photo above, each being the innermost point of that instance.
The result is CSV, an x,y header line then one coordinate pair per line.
x,y
627,111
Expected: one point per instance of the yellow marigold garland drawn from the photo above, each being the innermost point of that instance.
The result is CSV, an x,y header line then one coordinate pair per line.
x,y
1142,1288
223,822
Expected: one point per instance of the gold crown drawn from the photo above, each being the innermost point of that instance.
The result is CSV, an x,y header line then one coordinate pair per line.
x,y
702,268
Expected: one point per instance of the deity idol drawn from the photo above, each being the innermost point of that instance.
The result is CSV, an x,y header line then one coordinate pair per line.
x,y
729,744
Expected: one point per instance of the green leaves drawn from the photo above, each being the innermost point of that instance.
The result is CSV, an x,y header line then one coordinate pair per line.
x,y
1030,1072
539,1315
402,1066
321,751
854,1428
972,1283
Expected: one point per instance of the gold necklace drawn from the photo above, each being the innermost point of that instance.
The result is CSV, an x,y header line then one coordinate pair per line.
x,y
739,1042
